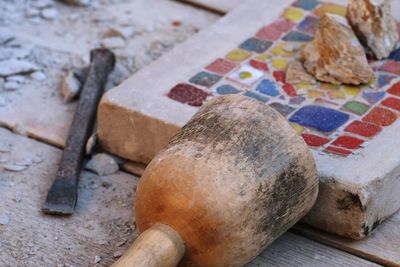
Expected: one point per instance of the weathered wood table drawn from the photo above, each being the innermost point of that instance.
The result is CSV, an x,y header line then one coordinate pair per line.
x,y
104,225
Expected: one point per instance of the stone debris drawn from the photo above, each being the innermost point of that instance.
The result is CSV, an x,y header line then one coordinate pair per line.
x,y
124,32
113,42
335,55
4,219
97,259
38,76
77,2
102,164
49,13
14,167
296,73
91,144
16,78
14,66
374,25
20,129
42,3
118,254
71,86
11,86
32,12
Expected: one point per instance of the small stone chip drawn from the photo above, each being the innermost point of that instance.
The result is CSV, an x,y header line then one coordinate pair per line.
x,y
102,164
97,259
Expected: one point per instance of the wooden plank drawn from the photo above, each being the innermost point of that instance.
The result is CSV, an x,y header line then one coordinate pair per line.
x,y
355,192
220,6
383,246
103,223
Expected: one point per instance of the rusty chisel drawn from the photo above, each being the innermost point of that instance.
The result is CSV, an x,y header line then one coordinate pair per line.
x,y
62,196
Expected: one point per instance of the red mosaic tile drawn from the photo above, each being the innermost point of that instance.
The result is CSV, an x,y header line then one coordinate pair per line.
x,y
221,66
363,129
289,90
395,89
188,94
348,142
275,30
380,116
338,151
391,66
259,65
315,140
392,102
280,76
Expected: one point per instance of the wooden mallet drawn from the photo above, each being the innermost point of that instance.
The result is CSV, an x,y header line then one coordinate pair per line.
x,y
230,182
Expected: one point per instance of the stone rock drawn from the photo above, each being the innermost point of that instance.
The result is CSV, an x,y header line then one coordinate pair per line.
x,y
77,2
38,76
113,42
102,164
374,25
42,3
124,32
335,55
49,13
32,12
91,144
15,167
296,73
71,86
11,86
16,78
14,66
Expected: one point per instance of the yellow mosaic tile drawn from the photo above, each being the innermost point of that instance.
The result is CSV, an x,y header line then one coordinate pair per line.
x,y
331,8
351,90
314,93
338,94
279,63
280,50
293,14
264,56
298,128
303,85
329,86
238,55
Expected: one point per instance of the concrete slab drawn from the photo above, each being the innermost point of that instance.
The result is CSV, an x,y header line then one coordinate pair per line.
x,y
103,225
36,108
351,130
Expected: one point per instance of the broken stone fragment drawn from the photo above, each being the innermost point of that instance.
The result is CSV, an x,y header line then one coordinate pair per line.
x,y
102,164
72,83
296,73
374,25
335,55
14,66
76,2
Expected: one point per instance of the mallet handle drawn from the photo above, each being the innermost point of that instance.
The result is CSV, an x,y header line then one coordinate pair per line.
x,y
158,246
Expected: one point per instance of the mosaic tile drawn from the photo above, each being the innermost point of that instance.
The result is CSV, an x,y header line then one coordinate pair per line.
x,y
309,25
395,89
363,129
306,4
188,94
321,118
328,86
238,55
296,36
263,56
315,140
373,97
284,110
384,80
338,151
227,89
297,100
246,75
280,76
293,14
351,90
356,107
289,90
395,55
337,94
348,142
256,45
330,8
259,65
391,66
268,87
256,96
298,128
392,102
205,79
315,93
221,66
282,49
275,30
380,116
280,63
303,85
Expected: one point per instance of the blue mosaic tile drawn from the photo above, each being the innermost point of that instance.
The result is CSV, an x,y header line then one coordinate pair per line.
x,y
267,87
384,79
259,97
395,55
205,79
295,36
309,25
256,45
227,89
373,97
321,118
297,100
284,110
306,4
